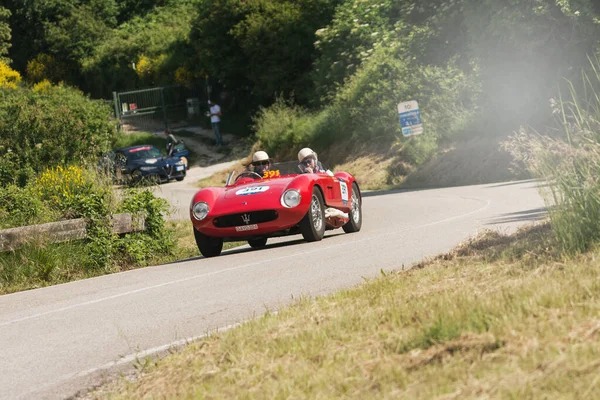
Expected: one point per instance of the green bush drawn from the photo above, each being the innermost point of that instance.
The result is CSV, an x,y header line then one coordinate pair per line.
x,y
59,126
138,248
65,193
160,33
22,207
365,108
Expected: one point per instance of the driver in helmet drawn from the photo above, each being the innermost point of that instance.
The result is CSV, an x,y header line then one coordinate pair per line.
x,y
260,163
309,163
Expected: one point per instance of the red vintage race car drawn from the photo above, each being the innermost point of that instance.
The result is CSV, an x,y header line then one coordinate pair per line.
x,y
281,202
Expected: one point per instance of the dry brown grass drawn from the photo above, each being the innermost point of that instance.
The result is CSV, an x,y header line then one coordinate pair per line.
x,y
488,320
218,179
370,171
473,161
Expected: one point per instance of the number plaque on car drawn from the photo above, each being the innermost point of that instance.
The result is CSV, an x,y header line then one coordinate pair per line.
x,y
246,228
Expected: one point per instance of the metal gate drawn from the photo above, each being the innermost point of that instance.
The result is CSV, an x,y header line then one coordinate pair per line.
x,y
160,108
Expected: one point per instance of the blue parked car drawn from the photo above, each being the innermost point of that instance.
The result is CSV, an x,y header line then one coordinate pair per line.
x,y
145,162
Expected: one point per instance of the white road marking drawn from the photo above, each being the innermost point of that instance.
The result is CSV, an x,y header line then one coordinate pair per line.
x,y
353,242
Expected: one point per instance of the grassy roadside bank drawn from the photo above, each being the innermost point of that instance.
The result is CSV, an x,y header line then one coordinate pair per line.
x,y
38,265
497,317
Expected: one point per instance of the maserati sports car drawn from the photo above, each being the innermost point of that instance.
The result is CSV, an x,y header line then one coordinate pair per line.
x,y
281,202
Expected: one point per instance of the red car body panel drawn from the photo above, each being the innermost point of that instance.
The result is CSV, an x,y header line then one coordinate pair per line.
x,y
261,199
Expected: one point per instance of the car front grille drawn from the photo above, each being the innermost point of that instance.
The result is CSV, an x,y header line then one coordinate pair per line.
x,y
253,217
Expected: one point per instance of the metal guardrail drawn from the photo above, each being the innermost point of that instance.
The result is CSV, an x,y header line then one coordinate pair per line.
x,y
63,231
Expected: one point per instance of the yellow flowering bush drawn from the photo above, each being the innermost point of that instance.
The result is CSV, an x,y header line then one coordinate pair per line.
x,y
143,68
62,188
43,86
147,67
184,76
8,77
42,67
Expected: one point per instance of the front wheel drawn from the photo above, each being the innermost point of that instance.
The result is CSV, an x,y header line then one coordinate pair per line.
x,y
312,225
355,222
208,246
257,243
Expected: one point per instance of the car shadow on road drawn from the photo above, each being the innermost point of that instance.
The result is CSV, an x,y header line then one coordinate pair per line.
x,y
246,249
392,191
535,214
513,183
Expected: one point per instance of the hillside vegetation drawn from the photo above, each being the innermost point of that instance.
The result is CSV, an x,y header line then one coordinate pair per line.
x,y
326,74
323,73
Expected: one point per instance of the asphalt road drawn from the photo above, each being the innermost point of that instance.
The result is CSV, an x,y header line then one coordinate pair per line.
x,y
61,339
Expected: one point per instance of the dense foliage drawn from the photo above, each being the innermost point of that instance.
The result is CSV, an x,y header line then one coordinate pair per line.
x,y
257,50
260,47
339,67
50,126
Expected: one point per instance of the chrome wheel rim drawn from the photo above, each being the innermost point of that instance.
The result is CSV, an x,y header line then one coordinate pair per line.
x,y
355,208
317,215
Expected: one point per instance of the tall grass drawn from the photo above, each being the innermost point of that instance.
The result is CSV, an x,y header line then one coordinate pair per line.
x,y
568,160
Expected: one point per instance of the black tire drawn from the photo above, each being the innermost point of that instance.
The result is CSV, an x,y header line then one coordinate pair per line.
x,y
179,179
153,179
312,225
136,177
257,243
355,222
208,246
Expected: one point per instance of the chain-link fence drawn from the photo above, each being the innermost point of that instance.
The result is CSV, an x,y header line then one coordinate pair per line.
x,y
160,108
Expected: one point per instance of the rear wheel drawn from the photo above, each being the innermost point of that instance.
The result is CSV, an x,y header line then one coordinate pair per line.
x,y
208,246
355,211
179,179
312,225
257,243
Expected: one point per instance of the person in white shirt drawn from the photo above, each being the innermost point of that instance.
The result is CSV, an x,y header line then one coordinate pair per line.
x,y
215,120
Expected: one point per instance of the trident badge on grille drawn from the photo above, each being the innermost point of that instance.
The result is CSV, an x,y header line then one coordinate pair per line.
x,y
246,218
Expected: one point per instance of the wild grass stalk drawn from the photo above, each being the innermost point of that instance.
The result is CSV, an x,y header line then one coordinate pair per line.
x,y
567,159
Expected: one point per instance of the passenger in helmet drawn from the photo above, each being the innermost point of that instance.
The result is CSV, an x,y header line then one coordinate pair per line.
x,y
260,163
309,162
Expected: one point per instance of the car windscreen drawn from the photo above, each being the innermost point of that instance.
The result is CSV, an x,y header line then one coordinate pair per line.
x,y
286,168
142,153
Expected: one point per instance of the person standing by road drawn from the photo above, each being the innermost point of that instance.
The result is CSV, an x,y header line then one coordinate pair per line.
x,y
215,120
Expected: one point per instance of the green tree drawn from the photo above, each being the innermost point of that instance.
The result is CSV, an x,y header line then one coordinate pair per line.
x,y
160,34
260,47
67,30
45,128
4,35
129,9
524,49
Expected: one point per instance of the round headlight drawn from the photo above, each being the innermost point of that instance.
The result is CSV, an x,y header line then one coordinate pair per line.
x,y
200,210
290,198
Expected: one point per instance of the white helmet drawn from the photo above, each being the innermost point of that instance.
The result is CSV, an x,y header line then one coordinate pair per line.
x,y
260,156
306,152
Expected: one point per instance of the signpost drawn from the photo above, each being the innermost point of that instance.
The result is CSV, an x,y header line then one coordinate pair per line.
x,y
410,118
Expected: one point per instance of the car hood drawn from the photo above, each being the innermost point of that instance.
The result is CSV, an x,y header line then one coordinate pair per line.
x,y
257,191
157,162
